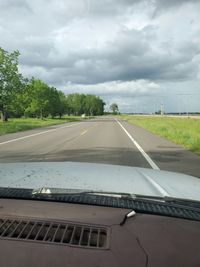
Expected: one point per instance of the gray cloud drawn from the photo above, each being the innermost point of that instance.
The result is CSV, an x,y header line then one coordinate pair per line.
x,y
163,4
128,57
12,4
107,46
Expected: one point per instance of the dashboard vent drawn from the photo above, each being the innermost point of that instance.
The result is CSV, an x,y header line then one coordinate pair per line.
x,y
52,232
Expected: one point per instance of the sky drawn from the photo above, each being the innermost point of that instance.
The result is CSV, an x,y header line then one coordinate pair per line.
x,y
139,54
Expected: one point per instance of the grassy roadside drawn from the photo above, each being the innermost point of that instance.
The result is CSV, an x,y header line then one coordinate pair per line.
x,y
22,124
182,131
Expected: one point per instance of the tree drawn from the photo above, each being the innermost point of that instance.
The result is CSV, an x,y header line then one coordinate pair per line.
x,y
90,105
78,104
39,105
10,81
114,108
53,102
20,100
94,105
63,106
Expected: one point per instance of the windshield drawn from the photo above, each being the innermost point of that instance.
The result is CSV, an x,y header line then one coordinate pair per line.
x,y
101,96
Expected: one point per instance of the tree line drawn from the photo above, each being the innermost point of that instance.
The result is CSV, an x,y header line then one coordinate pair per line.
x,y
20,96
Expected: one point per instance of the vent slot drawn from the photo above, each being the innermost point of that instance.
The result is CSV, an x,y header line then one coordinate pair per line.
x,y
53,232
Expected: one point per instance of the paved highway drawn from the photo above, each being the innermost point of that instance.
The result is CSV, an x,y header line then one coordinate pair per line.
x,y
101,140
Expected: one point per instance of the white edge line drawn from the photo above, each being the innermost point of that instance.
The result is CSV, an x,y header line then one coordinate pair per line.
x,y
32,135
149,160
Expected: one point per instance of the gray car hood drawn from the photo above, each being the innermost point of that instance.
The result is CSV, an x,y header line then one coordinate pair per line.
x,y
99,177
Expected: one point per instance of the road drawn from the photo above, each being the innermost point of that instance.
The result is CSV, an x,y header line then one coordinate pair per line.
x,y
101,140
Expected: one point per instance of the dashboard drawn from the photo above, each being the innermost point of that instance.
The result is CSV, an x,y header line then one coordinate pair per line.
x,y
43,233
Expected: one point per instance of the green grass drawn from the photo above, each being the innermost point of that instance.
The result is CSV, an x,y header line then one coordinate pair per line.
x,y
22,124
182,131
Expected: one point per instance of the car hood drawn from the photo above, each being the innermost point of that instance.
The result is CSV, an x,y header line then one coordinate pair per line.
x,y
99,177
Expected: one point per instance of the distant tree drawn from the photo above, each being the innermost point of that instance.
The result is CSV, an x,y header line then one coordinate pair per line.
x,y
39,95
158,112
63,106
114,108
10,81
40,100
53,102
99,106
90,105
85,104
75,104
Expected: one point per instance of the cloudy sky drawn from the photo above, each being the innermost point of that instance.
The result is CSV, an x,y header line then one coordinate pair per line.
x,y
136,53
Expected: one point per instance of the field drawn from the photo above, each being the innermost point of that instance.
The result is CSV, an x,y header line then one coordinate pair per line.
x,y
22,124
182,131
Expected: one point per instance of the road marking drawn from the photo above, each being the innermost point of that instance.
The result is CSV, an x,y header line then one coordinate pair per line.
x,y
40,133
84,132
149,160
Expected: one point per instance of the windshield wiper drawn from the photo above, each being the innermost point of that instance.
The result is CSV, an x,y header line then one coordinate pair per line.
x,y
121,195
165,206
58,191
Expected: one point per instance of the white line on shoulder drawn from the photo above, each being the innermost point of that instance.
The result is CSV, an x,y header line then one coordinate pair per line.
x,y
149,160
40,133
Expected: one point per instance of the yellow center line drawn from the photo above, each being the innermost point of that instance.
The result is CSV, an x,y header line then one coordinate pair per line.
x,y
84,132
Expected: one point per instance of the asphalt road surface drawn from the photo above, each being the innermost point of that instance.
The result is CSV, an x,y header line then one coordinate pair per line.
x,y
101,140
